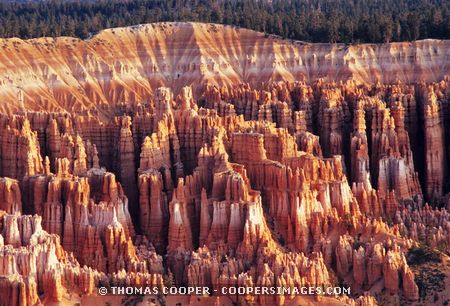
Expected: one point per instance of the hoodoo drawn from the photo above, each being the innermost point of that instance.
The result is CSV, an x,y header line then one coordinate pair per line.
x,y
188,154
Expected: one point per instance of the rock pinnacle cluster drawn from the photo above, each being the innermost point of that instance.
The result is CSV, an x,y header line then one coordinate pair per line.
x,y
289,183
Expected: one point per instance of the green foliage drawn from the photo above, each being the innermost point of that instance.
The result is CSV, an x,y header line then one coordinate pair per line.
x,y
168,279
132,300
347,220
421,255
358,244
347,21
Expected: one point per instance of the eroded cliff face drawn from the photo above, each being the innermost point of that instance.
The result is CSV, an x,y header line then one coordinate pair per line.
x,y
280,184
291,185
126,65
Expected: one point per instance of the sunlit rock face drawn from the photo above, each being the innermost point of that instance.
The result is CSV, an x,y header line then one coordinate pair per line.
x,y
134,177
127,65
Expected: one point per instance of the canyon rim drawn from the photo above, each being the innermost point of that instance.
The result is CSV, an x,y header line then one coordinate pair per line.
x,y
193,154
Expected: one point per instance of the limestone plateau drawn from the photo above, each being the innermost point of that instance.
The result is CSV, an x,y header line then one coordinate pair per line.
x,y
204,155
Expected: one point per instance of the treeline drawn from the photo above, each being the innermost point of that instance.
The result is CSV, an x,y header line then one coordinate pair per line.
x,y
348,21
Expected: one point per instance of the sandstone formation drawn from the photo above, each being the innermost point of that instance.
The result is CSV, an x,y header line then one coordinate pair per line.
x,y
236,181
129,64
